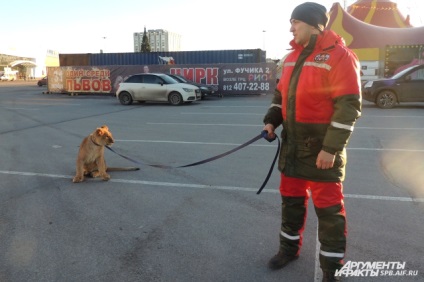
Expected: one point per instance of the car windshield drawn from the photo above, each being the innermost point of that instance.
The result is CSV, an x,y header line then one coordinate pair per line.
x,y
169,80
183,79
401,73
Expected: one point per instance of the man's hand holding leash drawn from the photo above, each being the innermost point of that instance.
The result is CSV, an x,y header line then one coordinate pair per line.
x,y
270,129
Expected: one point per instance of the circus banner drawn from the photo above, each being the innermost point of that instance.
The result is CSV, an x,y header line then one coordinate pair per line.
x,y
234,79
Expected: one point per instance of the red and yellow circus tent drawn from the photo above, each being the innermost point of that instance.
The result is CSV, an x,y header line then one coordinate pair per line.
x,y
381,13
366,39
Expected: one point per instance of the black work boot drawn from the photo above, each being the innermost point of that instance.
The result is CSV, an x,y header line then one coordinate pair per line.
x,y
280,260
328,276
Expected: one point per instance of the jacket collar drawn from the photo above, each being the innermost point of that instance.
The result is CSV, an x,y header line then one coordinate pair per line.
x,y
325,40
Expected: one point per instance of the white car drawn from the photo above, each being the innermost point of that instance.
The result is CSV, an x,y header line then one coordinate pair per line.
x,y
156,87
7,77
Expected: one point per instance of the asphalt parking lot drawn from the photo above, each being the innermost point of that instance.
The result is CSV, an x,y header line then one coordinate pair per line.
x,y
202,223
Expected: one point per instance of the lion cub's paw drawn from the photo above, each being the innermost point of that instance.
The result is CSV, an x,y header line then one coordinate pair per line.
x,y
106,177
78,179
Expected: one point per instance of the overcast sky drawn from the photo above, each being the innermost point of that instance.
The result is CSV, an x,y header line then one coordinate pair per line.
x,y
86,26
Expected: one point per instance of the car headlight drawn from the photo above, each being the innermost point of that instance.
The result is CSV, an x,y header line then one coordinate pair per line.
x,y
188,90
204,88
368,84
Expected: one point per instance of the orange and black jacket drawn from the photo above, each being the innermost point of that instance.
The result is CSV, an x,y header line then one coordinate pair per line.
x,y
317,100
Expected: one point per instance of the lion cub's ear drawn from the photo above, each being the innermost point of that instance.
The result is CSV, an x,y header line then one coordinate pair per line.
x,y
99,132
105,127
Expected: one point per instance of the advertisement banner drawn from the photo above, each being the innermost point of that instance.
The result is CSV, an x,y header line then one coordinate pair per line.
x,y
79,80
227,79
247,79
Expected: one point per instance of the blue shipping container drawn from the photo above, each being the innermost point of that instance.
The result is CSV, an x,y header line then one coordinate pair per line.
x,y
173,57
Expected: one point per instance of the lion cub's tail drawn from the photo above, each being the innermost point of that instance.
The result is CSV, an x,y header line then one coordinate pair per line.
x,y
122,168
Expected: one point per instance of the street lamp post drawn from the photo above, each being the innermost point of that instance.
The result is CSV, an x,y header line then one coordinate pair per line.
x,y
263,38
103,37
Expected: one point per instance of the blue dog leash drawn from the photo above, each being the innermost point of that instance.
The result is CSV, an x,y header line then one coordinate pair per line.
x,y
263,134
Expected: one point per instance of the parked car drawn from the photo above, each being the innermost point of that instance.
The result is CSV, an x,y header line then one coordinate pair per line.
x,y
405,86
156,87
42,81
7,78
205,89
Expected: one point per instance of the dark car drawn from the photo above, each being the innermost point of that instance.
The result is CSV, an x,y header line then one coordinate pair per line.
x,y
204,89
42,81
405,86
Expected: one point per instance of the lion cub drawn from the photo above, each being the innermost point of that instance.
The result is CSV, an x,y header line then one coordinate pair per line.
x,y
91,159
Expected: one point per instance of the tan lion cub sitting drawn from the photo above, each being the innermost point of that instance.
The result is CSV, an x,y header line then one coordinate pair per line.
x,y
91,159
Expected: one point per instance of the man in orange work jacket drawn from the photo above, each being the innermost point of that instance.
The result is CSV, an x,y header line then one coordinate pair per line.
x,y
317,101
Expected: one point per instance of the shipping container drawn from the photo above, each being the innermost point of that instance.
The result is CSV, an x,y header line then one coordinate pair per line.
x,y
74,60
174,57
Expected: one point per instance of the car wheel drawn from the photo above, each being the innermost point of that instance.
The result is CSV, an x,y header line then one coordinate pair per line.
x,y
125,98
386,99
175,98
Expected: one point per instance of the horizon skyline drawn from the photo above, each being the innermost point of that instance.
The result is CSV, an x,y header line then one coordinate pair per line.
x,y
253,31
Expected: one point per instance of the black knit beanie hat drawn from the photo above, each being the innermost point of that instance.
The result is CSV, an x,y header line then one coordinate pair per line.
x,y
311,13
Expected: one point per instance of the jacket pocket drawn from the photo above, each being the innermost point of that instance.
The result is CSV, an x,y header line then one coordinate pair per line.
x,y
308,150
306,156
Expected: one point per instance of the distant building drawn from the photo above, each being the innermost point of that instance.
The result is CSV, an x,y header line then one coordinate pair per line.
x,y
159,39
27,67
